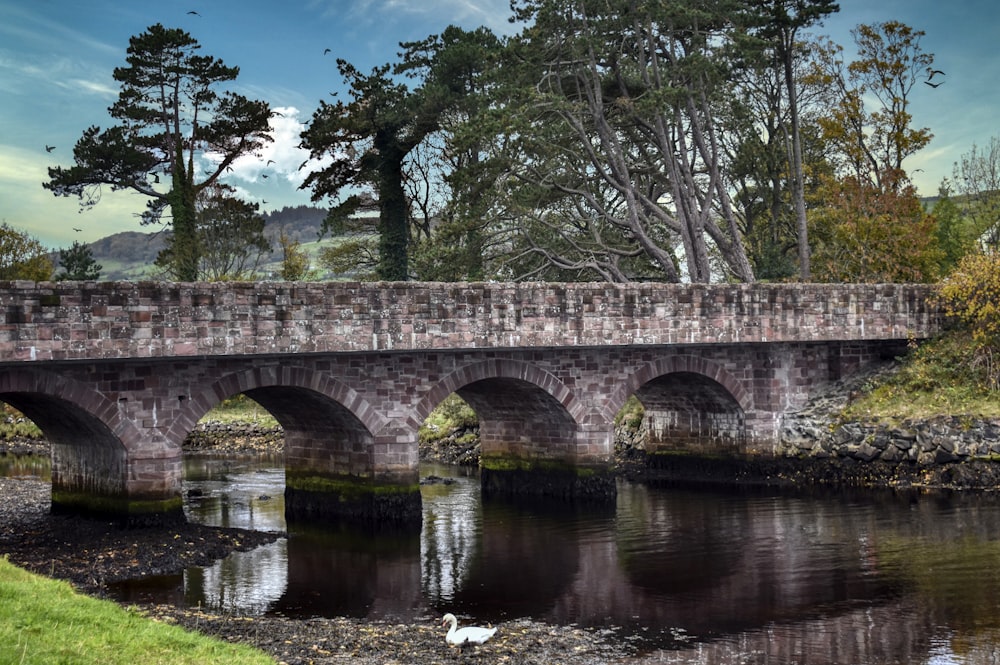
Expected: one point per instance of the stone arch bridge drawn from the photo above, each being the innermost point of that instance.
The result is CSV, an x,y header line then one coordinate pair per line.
x,y
117,374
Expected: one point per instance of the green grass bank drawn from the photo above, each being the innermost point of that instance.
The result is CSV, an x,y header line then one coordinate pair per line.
x,y
44,621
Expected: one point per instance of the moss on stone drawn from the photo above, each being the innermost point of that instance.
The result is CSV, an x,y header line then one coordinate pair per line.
x,y
549,466
348,488
121,508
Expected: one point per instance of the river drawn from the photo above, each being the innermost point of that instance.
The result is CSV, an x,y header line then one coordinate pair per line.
x,y
686,575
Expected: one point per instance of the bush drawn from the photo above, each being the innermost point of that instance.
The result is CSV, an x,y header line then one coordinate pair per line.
x,y
971,295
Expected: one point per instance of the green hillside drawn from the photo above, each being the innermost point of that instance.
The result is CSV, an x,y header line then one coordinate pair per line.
x,y
130,256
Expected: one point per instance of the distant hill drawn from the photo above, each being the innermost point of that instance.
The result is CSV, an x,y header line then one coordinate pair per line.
x,y
130,255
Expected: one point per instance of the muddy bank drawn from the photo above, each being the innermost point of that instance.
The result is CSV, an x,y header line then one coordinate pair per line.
x,y
93,553
341,640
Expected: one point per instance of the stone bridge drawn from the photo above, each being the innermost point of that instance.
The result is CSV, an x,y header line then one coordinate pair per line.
x,y
117,374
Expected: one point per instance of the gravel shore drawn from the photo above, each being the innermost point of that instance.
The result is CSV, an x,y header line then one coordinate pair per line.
x,y
92,554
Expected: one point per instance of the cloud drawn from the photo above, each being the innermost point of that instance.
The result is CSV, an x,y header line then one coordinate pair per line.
x,y
493,14
254,176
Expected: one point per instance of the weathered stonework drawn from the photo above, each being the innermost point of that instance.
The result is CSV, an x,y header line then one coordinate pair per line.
x,y
926,443
118,374
102,320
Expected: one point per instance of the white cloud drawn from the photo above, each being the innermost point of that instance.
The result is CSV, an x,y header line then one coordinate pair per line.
x,y
467,13
276,173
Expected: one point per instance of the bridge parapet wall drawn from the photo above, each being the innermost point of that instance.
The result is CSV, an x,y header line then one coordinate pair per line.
x,y
104,320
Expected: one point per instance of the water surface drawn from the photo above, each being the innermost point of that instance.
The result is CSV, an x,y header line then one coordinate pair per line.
x,y
686,575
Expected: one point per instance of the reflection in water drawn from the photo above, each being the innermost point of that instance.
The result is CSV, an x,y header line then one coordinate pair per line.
x,y
688,576
246,492
36,467
449,535
248,582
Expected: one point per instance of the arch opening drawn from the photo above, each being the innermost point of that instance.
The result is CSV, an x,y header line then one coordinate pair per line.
x,y
320,433
94,472
690,412
342,462
87,457
519,419
531,439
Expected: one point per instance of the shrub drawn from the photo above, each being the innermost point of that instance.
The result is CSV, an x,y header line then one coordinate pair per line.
x,y
971,295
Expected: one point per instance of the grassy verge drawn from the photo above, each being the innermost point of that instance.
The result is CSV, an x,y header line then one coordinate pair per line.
x,y
241,409
44,621
949,375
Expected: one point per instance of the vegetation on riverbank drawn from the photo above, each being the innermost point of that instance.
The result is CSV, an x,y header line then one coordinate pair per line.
x,y
45,621
944,376
958,373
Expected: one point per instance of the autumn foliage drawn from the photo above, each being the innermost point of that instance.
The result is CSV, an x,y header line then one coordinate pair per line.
x,y
864,232
971,294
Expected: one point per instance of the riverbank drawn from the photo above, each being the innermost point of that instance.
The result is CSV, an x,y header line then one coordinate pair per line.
x,y
93,555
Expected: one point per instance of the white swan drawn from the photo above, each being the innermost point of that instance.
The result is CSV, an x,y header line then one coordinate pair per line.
x,y
469,635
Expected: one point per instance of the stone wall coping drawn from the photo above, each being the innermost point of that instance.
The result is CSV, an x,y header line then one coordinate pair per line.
x,y
56,321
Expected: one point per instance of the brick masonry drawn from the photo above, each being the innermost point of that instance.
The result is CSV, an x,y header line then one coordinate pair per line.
x,y
117,374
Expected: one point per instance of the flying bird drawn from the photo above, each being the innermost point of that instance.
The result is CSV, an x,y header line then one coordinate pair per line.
x,y
49,148
194,12
325,51
264,176
933,85
932,72
269,162
303,165
76,229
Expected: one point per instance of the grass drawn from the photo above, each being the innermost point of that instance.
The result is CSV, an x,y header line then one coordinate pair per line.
x,y
14,425
241,409
945,376
44,621
453,412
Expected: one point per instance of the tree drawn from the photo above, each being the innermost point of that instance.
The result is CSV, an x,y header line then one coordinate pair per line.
x,y
954,238
971,294
230,238
871,224
77,263
294,261
868,232
22,256
869,119
620,162
780,24
977,182
451,160
172,122
371,137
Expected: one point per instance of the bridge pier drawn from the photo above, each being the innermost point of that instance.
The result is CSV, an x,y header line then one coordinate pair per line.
x,y
377,501
133,493
346,475
580,469
105,482
509,476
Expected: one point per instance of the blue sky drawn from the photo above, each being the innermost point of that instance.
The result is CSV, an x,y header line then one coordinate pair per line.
x,y
57,59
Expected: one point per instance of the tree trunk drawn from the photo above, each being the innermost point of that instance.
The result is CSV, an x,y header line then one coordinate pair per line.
x,y
186,252
394,234
798,186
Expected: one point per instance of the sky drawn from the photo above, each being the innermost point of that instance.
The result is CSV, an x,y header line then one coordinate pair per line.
x,y
57,58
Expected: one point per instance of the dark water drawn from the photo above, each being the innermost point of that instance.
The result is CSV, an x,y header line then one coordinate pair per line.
x,y
688,576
